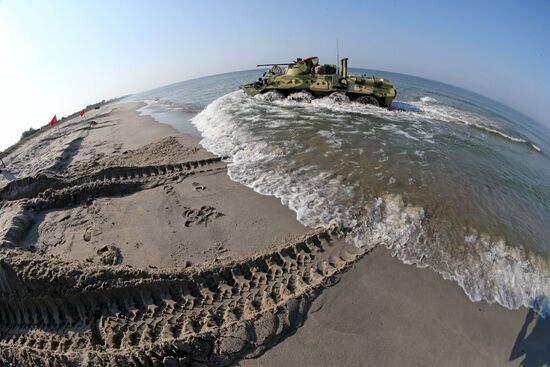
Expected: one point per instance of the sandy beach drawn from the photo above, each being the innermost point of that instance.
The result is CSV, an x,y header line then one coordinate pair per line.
x,y
124,242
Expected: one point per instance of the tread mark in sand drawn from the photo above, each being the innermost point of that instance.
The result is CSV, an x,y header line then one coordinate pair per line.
x,y
116,315
42,184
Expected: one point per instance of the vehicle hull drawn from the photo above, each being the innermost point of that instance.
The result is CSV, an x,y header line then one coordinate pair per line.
x,y
353,86
323,80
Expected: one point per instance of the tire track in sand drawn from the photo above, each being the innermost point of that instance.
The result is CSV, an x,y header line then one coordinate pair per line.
x,y
34,186
62,314
22,199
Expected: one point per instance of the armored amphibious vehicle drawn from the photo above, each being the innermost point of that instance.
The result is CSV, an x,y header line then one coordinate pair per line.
x,y
307,75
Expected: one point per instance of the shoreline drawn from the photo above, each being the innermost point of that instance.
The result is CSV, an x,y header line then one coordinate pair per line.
x,y
512,318
157,221
386,313
487,263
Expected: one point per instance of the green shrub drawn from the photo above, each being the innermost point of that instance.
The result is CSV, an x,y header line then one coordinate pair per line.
x,y
28,133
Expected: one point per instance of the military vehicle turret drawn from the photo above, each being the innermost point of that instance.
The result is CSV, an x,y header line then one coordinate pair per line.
x,y
307,75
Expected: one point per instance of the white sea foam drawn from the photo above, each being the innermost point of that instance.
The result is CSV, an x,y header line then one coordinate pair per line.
x,y
428,99
425,111
270,96
398,131
485,267
331,138
447,113
300,97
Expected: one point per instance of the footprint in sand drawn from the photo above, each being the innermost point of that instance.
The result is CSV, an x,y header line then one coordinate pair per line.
x,y
117,148
198,216
109,255
198,187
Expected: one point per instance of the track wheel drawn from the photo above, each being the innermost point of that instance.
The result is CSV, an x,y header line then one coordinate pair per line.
x,y
339,97
368,100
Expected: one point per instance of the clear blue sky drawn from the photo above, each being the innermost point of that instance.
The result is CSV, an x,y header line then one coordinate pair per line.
x,y
57,56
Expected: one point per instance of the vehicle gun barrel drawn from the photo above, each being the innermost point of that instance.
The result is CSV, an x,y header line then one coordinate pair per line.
x,y
274,64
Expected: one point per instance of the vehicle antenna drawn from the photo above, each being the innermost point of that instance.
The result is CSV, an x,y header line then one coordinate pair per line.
x,y
337,56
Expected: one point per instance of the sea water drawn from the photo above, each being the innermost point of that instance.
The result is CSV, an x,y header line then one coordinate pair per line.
x,y
445,178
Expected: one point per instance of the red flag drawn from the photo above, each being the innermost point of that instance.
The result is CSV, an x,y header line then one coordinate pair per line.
x,y
54,120
82,113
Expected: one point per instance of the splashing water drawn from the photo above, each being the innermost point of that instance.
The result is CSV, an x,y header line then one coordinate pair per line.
x,y
441,179
333,166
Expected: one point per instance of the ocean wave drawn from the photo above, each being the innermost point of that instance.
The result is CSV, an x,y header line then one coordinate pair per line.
x,y
486,267
440,111
161,105
428,99
506,136
404,107
427,110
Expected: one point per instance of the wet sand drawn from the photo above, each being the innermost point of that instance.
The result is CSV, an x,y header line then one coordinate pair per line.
x,y
386,313
124,242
